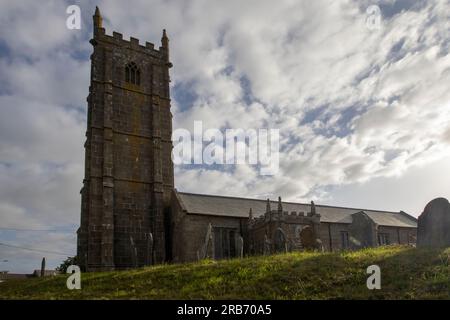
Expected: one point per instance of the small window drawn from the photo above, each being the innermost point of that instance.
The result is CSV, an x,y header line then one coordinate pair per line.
x,y
383,239
344,240
132,74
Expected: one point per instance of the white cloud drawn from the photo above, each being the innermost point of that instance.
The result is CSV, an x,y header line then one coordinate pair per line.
x,y
326,57
354,106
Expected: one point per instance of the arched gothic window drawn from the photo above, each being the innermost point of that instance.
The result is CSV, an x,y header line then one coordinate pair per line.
x,y
132,74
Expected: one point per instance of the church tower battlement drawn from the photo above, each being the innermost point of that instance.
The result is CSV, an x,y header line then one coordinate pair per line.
x,y
128,167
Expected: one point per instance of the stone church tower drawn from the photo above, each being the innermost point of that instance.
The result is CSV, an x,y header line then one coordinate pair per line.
x,y
128,167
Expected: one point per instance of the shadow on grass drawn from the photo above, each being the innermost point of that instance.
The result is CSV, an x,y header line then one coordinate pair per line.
x,y
406,273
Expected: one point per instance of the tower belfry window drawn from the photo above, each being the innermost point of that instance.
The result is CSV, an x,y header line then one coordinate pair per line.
x,y
132,74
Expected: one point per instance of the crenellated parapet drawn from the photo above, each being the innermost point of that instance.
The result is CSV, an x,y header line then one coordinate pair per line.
x,y
283,216
132,44
277,229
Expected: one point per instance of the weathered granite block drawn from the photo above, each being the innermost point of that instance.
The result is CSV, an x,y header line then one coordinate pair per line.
x,y
434,224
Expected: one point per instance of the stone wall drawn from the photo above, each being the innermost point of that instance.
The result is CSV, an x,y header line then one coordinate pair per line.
x,y
189,232
331,235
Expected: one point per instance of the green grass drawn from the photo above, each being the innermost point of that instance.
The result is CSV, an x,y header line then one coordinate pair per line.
x,y
406,273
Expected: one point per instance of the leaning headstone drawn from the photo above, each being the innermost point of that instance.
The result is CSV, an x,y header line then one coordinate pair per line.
x,y
202,253
133,252
150,250
267,244
240,246
433,226
362,231
280,242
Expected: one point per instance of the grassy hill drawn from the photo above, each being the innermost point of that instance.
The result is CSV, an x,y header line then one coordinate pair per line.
x,y
406,273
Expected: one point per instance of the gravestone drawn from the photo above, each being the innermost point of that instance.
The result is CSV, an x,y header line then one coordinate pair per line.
x,y
362,231
308,238
202,253
267,244
133,251
43,267
280,241
150,250
433,229
240,242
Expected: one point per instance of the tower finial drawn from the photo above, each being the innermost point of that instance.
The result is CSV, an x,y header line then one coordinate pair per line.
x,y
280,206
313,208
165,39
98,20
250,214
268,206
165,47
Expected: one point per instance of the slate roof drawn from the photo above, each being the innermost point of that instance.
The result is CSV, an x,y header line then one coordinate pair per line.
x,y
204,204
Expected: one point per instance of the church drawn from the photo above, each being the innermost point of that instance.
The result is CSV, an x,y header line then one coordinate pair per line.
x,y
131,213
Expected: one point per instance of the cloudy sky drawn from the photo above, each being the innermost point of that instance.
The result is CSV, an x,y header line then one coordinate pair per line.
x,y
363,112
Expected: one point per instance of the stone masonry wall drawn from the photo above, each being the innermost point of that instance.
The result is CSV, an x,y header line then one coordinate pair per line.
x,y
191,231
129,171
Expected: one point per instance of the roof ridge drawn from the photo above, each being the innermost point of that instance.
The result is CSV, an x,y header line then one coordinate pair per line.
x,y
289,202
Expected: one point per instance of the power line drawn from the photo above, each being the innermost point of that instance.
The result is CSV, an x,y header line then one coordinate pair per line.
x,y
38,230
36,250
